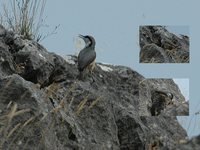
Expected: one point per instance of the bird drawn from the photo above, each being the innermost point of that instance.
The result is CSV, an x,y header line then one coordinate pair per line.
x,y
87,56
170,95
160,101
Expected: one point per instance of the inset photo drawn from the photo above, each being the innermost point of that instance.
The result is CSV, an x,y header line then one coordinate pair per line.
x,y
164,44
166,97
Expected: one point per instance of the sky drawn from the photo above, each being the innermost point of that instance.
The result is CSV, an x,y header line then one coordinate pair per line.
x,y
115,26
179,29
183,86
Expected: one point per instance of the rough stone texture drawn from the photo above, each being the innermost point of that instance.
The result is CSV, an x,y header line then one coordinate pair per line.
x,y
6,60
2,31
44,106
193,144
160,46
149,88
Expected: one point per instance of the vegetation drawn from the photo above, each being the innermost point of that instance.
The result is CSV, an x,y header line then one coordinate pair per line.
x,y
25,18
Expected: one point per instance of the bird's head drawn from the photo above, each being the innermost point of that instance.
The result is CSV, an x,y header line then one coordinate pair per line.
x,y
89,40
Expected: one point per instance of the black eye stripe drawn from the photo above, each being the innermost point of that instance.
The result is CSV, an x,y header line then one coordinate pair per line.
x,y
88,37
90,41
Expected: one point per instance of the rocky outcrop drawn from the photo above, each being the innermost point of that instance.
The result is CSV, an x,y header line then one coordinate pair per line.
x,y
160,46
161,97
192,144
43,105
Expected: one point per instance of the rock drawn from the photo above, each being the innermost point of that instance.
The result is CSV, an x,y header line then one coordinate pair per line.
x,y
155,98
37,65
2,31
152,53
27,104
44,105
14,88
18,43
6,60
192,144
160,46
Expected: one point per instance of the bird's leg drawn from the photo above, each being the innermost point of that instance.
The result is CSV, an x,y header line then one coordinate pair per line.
x,y
91,67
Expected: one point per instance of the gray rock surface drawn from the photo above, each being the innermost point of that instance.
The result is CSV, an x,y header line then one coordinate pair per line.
x,y
160,46
44,106
192,144
149,88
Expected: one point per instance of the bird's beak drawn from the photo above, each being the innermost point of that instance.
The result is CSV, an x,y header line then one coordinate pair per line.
x,y
86,40
81,36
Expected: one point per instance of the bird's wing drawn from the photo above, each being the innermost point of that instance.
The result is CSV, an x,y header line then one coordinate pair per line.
x,y
85,58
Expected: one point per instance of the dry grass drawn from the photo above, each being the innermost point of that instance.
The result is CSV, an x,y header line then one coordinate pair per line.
x,y
6,129
12,132
59,107
25,18
13,113
175,55
81,105
177,58
95,102
142,82
52,91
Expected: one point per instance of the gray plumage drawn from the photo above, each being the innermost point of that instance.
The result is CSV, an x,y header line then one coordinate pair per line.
x,y
87,55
